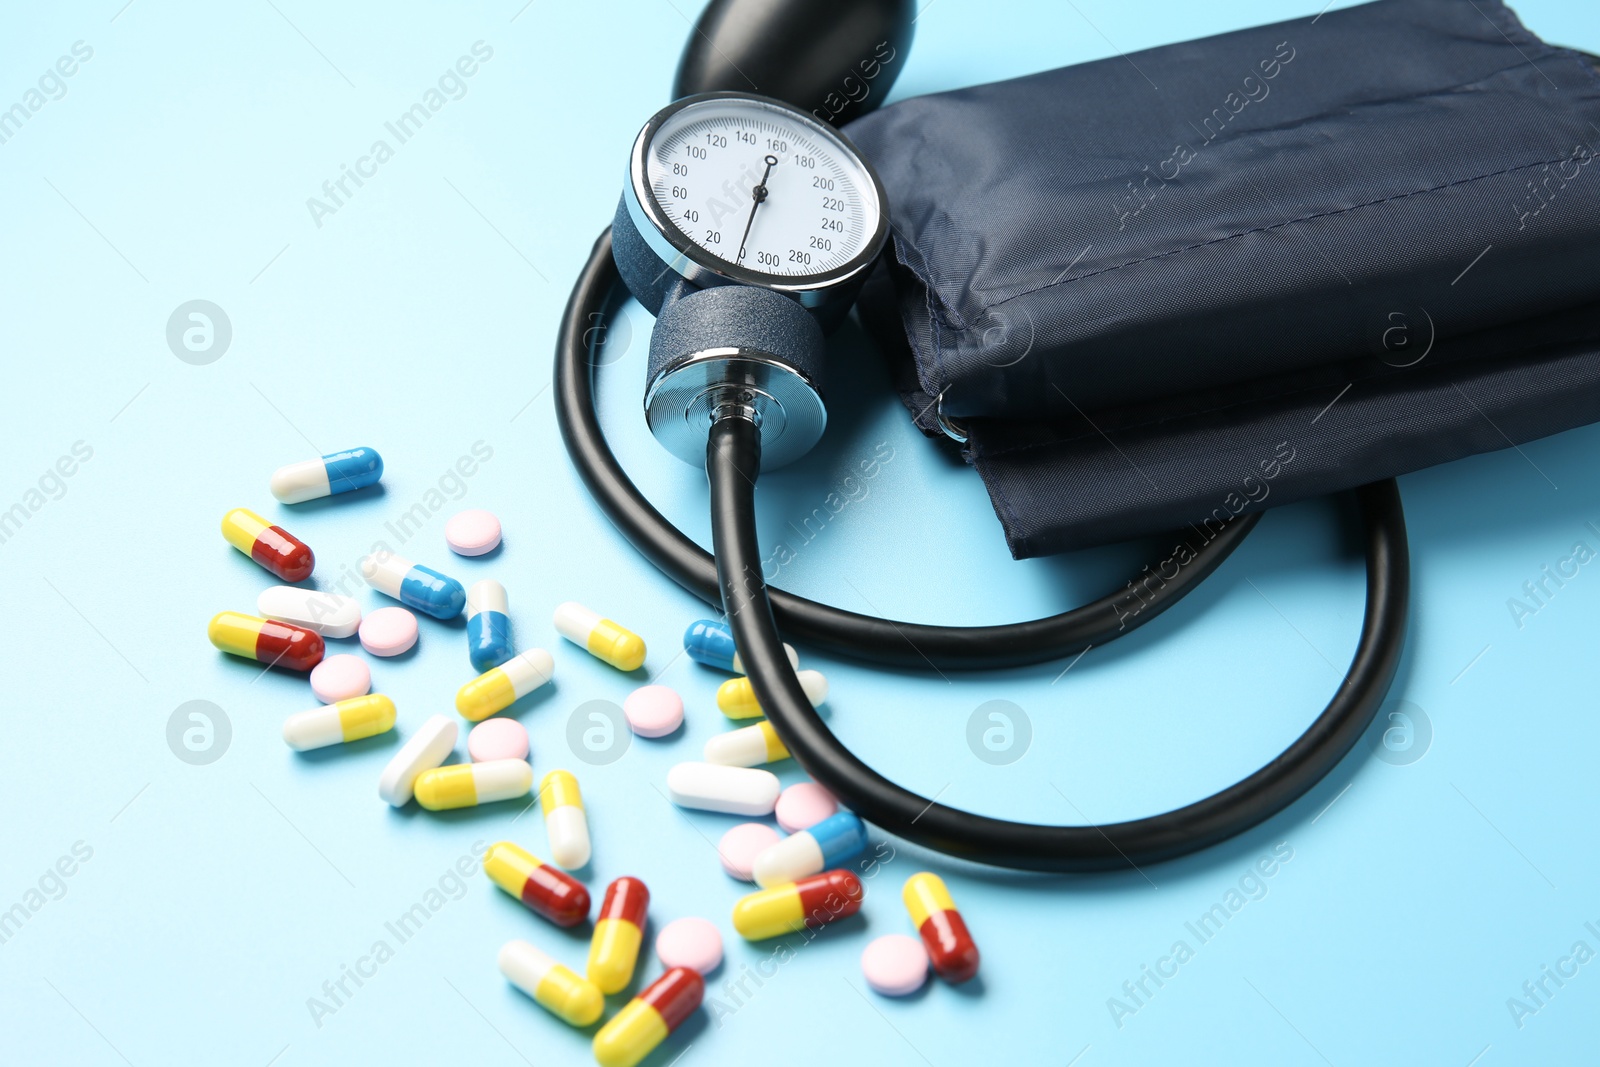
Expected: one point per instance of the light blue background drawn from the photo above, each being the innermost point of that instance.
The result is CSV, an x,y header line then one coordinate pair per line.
x,y
420,319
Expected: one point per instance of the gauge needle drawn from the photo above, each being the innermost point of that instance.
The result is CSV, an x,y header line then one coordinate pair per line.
x,y
759,196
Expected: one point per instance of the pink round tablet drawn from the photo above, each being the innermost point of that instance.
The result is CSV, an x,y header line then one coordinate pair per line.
x,y
691,943
497,739
340,678
740,846
803,805
388,631
653,711
472,533
895,965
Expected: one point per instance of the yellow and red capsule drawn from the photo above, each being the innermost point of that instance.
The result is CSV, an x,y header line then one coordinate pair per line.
x,y
271,546
635,1031
277,644
951,950
550,892
618,932
822,898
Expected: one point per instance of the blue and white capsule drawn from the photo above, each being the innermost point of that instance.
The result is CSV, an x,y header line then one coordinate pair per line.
x,y
337,472
417,587
488,625
711,642
831,843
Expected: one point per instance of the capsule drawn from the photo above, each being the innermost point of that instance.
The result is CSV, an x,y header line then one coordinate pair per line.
x,y
554,894
635,1031
273,547
950,947
749,746
810,902
603,638
277,644
564,820
711,643
462,785
488,625
417,587
497,689
833,842
618,932
347,720
737,697
337,472
572,999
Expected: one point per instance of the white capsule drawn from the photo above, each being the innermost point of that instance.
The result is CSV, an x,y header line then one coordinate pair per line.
x,y
429,747
328,614
732,790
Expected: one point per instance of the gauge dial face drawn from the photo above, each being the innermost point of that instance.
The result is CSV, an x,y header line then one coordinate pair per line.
x,y
763,188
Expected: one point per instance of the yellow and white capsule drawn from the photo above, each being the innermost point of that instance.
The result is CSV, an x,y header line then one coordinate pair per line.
x,y
567,995
348,720
602,638
497,689
737,697
462,785
564,819
749,746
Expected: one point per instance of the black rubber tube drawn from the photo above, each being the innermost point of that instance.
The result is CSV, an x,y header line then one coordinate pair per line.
x,y
733,458
734,580
881,641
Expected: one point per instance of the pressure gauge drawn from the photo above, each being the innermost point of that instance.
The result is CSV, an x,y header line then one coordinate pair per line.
x,y
736,188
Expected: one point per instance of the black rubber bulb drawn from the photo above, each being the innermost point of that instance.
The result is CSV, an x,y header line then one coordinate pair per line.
x,y
834,58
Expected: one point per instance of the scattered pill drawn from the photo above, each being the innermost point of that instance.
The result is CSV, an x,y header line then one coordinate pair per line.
x,y
711,643
427,749
348,720
690,942
340,678
565,822
472,532
497,689
737,697
895,965
389,631
602,638
741,845
748,746
732,790
635,1031
495,739
803,805
463,785
277,644
833,842
546,891
571,998
337,472
653,710
944,932
814,901
618,933
328,614
488,625
421,588
271,546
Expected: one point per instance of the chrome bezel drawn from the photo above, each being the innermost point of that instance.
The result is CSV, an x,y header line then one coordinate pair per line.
x,y
682,255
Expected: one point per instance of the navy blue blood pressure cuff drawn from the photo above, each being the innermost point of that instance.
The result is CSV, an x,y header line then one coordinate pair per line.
x,y
1158,290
